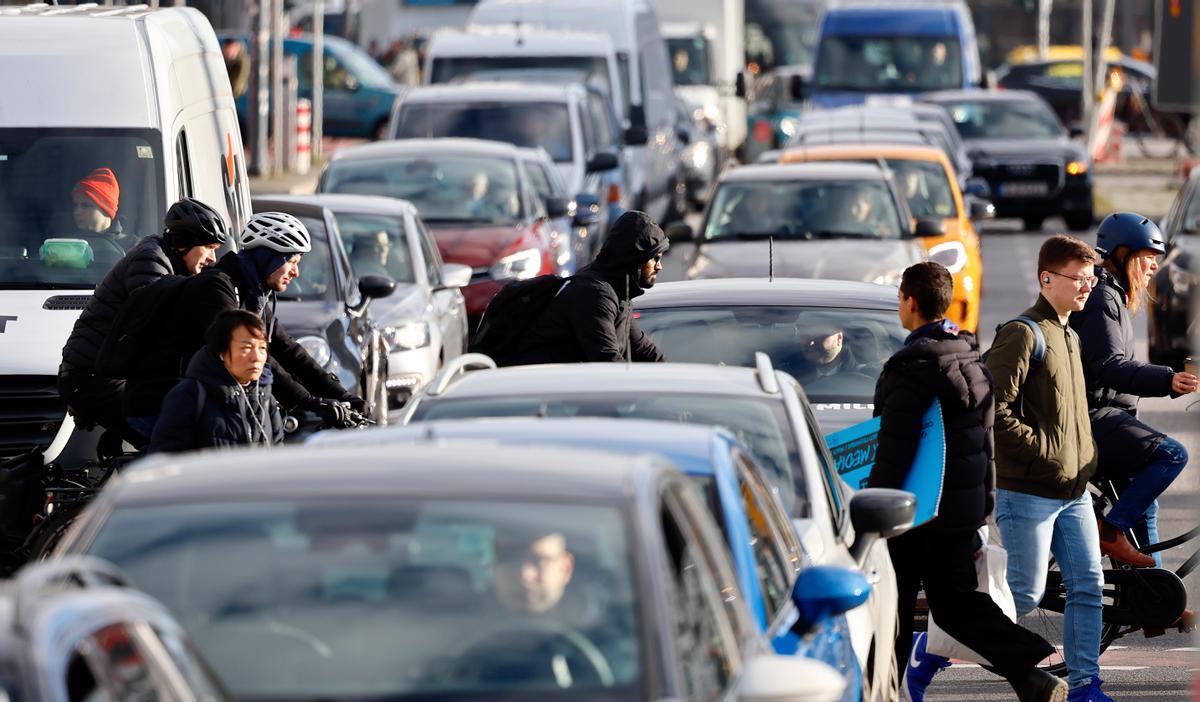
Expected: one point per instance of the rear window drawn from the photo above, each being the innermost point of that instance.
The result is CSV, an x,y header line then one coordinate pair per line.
x,y
527,124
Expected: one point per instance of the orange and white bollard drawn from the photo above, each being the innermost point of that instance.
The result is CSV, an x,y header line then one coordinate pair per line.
x,y
303,135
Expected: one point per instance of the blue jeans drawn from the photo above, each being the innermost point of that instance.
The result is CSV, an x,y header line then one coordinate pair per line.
x,y
1138,507
143,425
1032,529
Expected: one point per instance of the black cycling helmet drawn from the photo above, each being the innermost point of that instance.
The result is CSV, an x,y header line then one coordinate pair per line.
x,y
190,222
1128,229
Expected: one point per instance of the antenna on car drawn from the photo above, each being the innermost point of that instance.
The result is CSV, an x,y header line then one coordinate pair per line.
x,y
770,259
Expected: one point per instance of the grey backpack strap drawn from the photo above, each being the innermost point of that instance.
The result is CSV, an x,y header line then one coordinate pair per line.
x,y
1039,339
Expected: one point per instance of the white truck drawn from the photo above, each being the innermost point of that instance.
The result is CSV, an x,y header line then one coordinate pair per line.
x,y
143,93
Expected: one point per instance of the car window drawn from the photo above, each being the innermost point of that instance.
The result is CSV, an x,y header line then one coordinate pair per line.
x,y
378,245
761,425
1191,218
389,598
1005,119
526,124
316,280
837,493
537,176
804,210
925,186
690,60
429,251
774,561
702,631
835,353
602,120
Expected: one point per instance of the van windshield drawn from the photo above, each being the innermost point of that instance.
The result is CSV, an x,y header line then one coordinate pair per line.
x,y
782,32
526,124
73,201
880,63
593,70
690,60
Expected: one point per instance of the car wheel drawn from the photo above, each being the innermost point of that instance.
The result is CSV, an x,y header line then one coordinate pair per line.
x,y
1078,221
1032,224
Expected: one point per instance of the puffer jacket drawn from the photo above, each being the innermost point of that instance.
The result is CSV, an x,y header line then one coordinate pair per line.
x,y
1044,442
1116,379
939,362
208,409
591,317
145,263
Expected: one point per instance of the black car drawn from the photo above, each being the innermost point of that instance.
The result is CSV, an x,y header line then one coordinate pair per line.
x,y
1032,167
326,309
1172,310
1060,83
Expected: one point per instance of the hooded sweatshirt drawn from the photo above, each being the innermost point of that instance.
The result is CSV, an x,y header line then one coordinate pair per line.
x,y
208,408
939,362
590,319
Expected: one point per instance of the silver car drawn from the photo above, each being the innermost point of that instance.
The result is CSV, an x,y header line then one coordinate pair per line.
x,y
424,322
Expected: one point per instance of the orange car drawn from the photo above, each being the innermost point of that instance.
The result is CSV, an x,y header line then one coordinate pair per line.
x,y
926,178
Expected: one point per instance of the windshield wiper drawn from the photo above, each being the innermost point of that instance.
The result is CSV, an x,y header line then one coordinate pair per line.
x,y
841,234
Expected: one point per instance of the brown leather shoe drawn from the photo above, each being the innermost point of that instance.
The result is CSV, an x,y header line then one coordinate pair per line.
x,y
1114,545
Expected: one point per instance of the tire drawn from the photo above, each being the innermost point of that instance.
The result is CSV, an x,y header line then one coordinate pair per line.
x,y
1032,224
1079,221
51,532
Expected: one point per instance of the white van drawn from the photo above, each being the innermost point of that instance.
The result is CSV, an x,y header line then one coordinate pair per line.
x,y
141,92
706,57
644,73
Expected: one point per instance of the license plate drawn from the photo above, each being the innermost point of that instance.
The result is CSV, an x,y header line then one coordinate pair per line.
x,y
1025,189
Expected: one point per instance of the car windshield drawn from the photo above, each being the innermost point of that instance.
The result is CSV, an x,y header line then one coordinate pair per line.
x,y
354,62
896,64
816,209
444,188
782,32
528,124
1004,119
394,599
1191,220
316,281
73,201
594,69
925,185
377,245
762,426
690,60
836,354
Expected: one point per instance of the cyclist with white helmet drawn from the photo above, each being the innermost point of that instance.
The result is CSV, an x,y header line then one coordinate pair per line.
x,y
271,246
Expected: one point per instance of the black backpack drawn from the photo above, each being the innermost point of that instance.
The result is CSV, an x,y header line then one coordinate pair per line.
x,y
511,314
138,326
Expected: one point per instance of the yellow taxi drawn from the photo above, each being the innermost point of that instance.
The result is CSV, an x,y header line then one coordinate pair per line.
x,y
925,177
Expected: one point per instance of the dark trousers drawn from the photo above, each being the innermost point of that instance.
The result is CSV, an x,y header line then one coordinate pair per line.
x,y
96,401
944,563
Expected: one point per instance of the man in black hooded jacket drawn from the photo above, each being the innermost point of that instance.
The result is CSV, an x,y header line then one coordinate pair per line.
x,y
940,362
591,317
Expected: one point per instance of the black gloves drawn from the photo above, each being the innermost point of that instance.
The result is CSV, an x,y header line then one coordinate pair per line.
x,y
359,405
333,414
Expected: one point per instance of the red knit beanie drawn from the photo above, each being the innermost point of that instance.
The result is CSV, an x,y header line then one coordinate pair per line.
x,y
101,187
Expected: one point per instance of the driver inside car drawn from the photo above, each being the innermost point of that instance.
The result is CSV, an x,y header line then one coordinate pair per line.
x,y
825,354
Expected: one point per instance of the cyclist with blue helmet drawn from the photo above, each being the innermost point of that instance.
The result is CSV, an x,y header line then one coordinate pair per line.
x,y
1131,452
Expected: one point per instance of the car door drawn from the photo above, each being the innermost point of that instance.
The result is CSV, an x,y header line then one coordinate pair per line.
x,y
341,103
363,337
449,307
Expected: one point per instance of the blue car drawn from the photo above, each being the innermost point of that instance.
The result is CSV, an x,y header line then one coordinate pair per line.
x,y
358,92
797,605
871,48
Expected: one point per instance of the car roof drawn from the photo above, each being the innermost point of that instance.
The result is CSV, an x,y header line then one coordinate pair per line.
x,y
579,379
689,446
804,171
945,96
490,91
863,136
439,146
462,470
524,39
752,292
293,206
359,204
830,152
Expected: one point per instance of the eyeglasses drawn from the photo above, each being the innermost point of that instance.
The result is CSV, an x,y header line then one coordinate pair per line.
x,y
1088,280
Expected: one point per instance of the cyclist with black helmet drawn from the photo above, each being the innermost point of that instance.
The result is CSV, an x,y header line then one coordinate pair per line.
x,y
192,233
271,246
1144,459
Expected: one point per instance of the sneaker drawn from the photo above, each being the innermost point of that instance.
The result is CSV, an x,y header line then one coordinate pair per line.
x,y
922,667
1040,686
1089,693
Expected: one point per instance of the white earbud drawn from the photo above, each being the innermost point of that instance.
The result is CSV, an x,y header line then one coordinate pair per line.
x,y
1046,280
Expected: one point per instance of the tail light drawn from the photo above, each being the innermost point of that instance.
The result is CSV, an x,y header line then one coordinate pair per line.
x,y
764,132
614,194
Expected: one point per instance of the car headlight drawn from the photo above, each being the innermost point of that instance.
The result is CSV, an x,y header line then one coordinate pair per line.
x,y
698,155
1181,279
318,348
522,265
408,336
892,279
951,254
787,125
1077,168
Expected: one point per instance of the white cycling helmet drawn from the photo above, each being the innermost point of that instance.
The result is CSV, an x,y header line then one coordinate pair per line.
x,y
277,231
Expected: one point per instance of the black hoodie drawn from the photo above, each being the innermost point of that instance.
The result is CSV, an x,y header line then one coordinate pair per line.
x,y
208,408
940,363
590,319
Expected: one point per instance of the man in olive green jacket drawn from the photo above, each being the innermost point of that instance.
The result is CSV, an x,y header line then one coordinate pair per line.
x,y
1045,455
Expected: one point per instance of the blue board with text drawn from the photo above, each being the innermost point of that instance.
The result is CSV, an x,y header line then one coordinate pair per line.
x,y
854,451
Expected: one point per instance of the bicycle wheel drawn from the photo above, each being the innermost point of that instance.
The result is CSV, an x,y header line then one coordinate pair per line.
x,y
52,531
1047,619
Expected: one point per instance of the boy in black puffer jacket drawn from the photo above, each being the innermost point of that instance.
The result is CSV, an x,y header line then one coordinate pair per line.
x,y
940,362
225,398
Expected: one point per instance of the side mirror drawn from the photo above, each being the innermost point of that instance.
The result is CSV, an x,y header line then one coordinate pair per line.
x,y
587,210
683,135
637,134
980,209
680,231
772,678
1076,130
602,161
929,226
454,276
879,513
739,85
560,207
977,187
797,88
823,592
376,286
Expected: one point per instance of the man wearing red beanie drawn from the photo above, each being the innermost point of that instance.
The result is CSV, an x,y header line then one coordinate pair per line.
x,y
95,199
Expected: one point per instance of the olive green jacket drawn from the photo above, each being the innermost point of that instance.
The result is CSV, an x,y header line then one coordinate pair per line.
x,y
1044,442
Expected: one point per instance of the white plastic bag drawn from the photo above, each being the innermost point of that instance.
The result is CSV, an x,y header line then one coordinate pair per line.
x,y
992,571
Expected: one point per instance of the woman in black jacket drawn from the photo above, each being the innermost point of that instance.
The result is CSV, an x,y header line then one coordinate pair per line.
x,y
1130,451
225,398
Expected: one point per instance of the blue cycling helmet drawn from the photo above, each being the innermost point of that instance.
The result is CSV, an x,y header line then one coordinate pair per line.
x,y
1128,229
